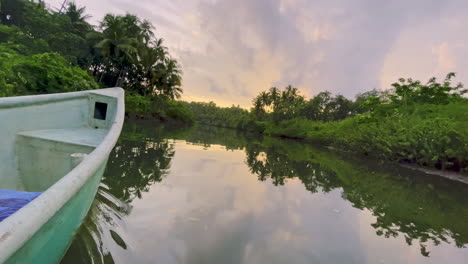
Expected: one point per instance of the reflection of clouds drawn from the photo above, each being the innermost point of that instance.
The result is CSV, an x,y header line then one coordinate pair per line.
x,y
226,217
243,220
211,209
281,246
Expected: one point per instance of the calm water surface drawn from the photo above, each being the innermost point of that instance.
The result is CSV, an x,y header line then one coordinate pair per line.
x,y
207,195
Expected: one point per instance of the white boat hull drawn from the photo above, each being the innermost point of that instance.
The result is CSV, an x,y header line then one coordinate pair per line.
x,y
42,136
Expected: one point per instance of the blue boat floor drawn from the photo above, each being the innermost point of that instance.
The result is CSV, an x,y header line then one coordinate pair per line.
x,y
84,136
12,201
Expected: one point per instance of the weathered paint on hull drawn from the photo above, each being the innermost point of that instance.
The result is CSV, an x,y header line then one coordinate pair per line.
x,y
50,243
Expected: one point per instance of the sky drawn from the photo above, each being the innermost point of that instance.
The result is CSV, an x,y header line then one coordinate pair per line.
x,y
230,50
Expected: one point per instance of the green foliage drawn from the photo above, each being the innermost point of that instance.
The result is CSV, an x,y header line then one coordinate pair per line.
x,y
417,123
433,135
137,104
211,114
11,12
162,108
324,107
368,101
429,135
279,105
408,91
41,73
41,51
283,105
293,128
129,55
123,52
179,111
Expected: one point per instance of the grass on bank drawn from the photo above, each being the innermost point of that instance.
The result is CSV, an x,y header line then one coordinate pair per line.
x,y
160,108
426,134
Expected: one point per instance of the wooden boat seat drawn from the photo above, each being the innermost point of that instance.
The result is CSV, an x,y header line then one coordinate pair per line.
x,y
89,137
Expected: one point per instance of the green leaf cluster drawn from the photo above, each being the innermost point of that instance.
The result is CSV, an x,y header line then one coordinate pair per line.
x,y
122,51
40,73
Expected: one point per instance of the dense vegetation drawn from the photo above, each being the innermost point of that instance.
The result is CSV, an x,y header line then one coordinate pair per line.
x,y
424,123
45,51
213,115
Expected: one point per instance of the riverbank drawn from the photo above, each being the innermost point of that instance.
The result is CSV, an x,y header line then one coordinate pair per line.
x,y
454,176
161,109
414,123
428,135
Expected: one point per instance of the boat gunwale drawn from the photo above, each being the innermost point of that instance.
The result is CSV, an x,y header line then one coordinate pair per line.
x,y
16,230
29,100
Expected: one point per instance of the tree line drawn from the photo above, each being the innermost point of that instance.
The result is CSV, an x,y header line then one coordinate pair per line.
x,y
44,50
416,122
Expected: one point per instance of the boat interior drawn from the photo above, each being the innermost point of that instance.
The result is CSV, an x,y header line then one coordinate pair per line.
x,y
42,140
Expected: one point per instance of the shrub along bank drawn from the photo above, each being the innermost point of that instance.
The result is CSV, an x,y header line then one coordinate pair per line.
x,y
413,122
157,108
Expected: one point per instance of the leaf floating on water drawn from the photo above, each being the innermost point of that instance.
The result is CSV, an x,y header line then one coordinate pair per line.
x,y
336,211
118,239
194,219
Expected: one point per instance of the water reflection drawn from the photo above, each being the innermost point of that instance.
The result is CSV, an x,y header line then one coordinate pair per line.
x,y
139,160
424,209
101,226
419,207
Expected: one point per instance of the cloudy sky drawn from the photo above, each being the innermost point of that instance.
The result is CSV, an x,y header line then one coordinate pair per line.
x,y
230,50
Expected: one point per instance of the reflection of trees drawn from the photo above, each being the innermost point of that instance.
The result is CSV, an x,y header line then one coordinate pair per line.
x,y
99,227
135,165
409,206
141,158
412,207
280,162
403,205
209,135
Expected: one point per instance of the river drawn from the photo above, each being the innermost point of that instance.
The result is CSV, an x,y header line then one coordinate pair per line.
x,y
211,195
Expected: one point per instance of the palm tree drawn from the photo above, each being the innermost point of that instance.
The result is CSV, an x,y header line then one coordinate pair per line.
x,y
274,94
118,46
146,31
260,102
137,58
77,16
158,74
171,80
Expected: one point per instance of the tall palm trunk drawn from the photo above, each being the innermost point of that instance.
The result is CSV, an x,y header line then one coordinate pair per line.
x,y
118,79
102,76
